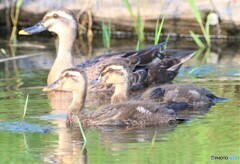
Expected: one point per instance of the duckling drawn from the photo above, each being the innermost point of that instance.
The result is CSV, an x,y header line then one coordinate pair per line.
x,y
130,113
64,24
176,96
117,74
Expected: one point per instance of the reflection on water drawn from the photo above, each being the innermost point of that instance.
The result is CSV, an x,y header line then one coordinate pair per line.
x,y
213,132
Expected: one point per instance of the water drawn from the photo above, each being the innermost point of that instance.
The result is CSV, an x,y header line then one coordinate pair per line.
x,y
42,137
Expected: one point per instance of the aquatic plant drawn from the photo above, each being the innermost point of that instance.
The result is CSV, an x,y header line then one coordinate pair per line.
x,y
167,39
151,147
158,30
25,108
205,30
82,132
106,35
137,22
13,38
138,46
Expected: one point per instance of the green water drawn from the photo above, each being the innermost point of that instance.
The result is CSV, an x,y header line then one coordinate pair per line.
x,y
42,137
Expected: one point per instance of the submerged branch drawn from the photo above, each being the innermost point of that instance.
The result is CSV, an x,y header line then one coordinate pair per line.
x,y
20,57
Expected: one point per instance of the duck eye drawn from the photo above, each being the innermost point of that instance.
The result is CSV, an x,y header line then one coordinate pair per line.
x,y
68,75
55,16
110,70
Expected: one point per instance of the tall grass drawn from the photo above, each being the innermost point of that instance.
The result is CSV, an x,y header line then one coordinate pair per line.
x,y
83,134
151,147
205,29
13,38
81,129
106,35
25,108
138,46
137,21
158,30
167,39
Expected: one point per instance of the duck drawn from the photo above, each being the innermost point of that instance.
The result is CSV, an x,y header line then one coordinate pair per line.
x,y
143,63
176,96
125,114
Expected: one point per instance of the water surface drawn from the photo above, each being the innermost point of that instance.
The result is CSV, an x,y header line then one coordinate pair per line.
x,y
43,137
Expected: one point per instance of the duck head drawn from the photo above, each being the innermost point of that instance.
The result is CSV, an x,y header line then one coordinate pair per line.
x,y
58,21
112,74
72,79
119,76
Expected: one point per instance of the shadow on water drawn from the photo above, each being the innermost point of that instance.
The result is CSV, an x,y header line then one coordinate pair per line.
x,y
42,137
23,127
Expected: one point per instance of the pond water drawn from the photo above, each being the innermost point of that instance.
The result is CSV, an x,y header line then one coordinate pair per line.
x,y
41,137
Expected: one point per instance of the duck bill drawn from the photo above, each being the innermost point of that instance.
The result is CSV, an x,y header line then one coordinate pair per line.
x,y
39,27
51,87
96,82
181,58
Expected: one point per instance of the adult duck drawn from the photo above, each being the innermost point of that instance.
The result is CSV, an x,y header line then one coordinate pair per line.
x,y
64,24
129,113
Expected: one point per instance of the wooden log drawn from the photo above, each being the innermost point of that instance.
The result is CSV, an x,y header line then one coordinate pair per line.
x,y
178,14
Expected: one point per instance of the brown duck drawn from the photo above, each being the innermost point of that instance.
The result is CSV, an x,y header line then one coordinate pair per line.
x,y
129,113
174,95
64,24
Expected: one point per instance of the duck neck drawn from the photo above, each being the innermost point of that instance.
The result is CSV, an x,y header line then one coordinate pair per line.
x,y
78,102
121,93
64,59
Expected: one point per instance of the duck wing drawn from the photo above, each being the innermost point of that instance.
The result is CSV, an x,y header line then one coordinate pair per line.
x,y
133,113
145,56
138,80
166,68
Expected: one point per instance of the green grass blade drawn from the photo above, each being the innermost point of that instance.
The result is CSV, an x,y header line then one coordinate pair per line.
x,y
158,31
103,34
206,56
161,25
167,38
84,146
106,35
152,145
25,108
129,8
198,53
195,11
137,21
13,36
197,40
205,30
193,70
138,46
81,129
139,25
109,35
165,47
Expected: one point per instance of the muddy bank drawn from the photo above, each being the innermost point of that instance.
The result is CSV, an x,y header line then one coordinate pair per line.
x,y
179,18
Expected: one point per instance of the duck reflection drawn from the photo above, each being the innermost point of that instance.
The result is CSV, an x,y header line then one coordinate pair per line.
x,y
69,147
